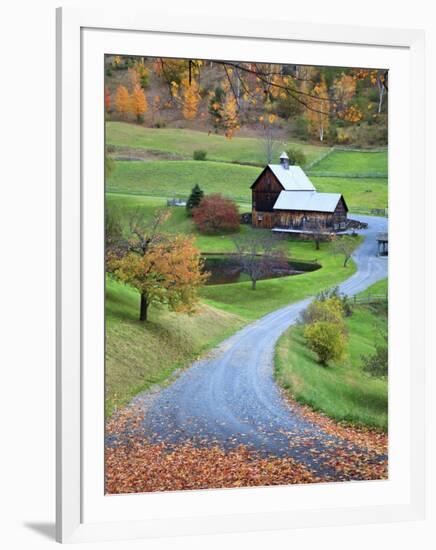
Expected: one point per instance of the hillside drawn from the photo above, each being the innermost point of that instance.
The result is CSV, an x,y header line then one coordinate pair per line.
x,y
281,100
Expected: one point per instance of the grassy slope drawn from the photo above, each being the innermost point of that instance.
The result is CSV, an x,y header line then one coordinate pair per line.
x,y
176,179
380,287
139,355
359,193
184,142
353,162
342,390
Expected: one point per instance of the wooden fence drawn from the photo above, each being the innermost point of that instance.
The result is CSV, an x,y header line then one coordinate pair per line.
x,y
370,298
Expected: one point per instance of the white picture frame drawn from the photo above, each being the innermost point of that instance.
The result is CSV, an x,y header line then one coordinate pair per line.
x,y
83,514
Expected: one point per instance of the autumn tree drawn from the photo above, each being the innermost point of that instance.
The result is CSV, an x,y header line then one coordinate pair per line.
x,y
216,214
318,109
326,339
169,273
324,328
269,135
259,255
230,116
329,310
190,98
164,269
344,246
138,103
122,100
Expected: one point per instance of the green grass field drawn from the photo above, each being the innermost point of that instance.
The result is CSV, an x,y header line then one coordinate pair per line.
x,y
139,355
184,142
380,287
176,179
342,390
353,162
360,194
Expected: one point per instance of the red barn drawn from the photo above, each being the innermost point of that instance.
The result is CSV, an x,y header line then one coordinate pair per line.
x,y
283,197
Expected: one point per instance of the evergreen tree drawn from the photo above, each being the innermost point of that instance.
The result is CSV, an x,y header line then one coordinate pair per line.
x,y
194,198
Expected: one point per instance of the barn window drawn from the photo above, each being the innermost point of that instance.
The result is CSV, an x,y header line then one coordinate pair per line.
x,y
259,217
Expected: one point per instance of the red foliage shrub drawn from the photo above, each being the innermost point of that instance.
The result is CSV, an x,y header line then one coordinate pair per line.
x,y
216,214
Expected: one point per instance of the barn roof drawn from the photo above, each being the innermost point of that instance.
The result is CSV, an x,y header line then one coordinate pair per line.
x,y
311,202
292,178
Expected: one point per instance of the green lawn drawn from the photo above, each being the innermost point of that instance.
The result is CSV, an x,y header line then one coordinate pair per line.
x,y
380,287
271,294
353,162
342,390
184,142
139,355
360,194
176,179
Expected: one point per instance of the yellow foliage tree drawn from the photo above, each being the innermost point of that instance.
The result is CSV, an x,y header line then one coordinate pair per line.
x,y
230,116
122,100
138,105
190,98
318,108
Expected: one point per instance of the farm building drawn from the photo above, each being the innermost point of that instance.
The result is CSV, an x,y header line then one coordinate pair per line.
x,y
284,198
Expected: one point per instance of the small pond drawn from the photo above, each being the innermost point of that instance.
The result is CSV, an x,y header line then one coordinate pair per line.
x,y
225,269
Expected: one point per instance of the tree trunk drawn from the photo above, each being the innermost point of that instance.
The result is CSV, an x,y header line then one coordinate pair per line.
x,y
316,244
253,284
381,91
143,308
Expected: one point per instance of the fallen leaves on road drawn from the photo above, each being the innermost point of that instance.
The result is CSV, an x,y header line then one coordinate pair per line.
x,y
135,465
143,467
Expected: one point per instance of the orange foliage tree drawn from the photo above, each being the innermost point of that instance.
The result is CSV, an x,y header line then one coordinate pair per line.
x,y
138,103
216,214
169,271
122,100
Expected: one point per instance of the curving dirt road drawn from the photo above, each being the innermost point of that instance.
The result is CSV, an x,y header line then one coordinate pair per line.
x,y
230,397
